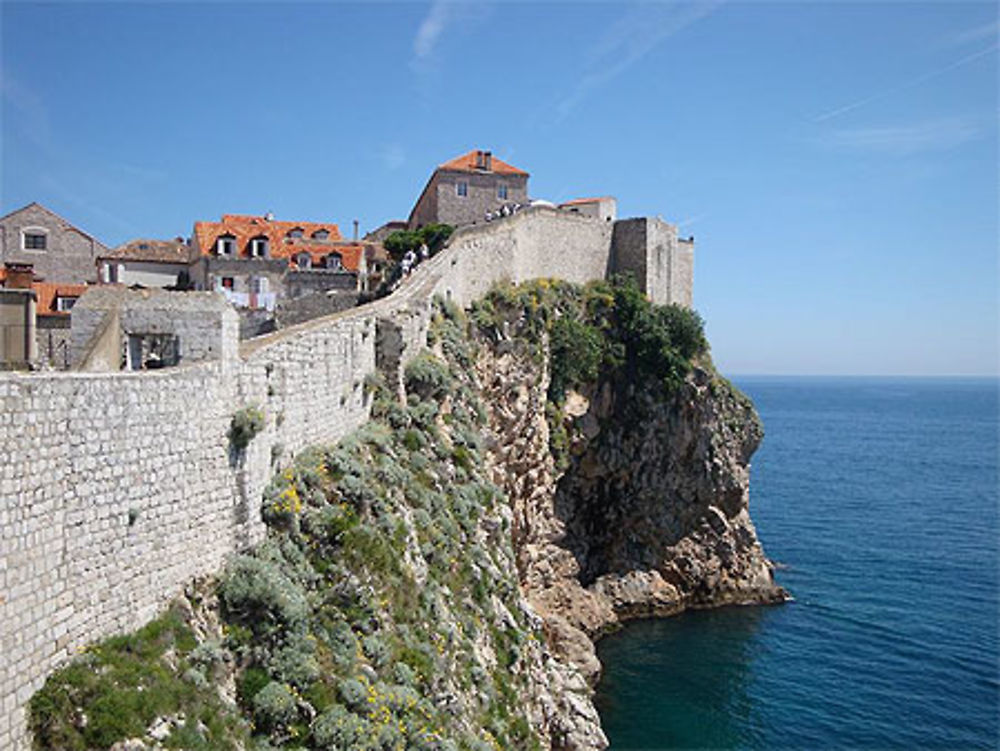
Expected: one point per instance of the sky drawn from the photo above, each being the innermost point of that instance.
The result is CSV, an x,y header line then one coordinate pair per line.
x,y
836,162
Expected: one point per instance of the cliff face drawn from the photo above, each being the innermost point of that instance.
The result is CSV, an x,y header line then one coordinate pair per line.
x,y
646,511
436,580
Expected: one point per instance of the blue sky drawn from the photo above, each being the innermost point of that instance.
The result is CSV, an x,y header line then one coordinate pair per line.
x,y
836,162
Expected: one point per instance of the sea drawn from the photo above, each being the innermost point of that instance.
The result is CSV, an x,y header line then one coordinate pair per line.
x,y
878,500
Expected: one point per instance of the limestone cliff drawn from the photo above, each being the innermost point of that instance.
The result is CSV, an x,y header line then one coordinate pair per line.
x,y
650,514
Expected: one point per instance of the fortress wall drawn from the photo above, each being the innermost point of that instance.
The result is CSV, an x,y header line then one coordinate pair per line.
x,y
98,468
118,488
534,243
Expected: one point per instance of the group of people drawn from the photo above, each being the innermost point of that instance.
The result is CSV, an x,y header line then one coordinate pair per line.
x,y
507,209
411,258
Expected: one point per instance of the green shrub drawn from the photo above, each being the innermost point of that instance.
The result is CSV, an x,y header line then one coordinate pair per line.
x,y
249,684
274,707
338,730
428,377
122,684
246,424
576,352
353,693
258,594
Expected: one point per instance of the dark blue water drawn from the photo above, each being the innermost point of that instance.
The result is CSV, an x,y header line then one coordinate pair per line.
x,y
881,498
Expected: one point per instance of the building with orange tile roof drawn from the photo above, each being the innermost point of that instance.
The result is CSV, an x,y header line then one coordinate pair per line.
x,y
149,263
49,323
465,189
256,261
602,207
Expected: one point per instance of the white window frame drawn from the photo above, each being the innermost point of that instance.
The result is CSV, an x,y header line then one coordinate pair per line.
x,y
462,188
303,256
502,191
225,241
259,285
321,234
25,231
259,247
62,306
334,261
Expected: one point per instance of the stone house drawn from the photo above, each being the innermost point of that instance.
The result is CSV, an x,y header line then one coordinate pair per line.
x,y
465,189
46,322
604,208
256,261
149,263
58,251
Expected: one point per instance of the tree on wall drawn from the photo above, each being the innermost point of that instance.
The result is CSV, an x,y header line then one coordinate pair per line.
x,y
434,236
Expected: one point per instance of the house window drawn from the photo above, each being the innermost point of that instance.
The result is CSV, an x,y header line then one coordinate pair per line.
x,y
502,192
321,234
462,188
297,232
259,285
227,282
258,247
34,240
303,261
333,261
226,245
65,304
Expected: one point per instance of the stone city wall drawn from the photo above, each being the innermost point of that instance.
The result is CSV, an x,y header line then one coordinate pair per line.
x,y
118,488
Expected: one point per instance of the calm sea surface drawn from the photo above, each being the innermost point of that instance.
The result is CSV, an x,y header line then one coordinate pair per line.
x,y
880,498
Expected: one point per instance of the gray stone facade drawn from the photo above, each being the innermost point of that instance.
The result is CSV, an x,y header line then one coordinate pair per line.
x,y
460,196
110,322
119,487
68,255
662,263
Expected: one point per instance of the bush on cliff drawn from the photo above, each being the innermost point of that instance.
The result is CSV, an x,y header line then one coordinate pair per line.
x,y
121,685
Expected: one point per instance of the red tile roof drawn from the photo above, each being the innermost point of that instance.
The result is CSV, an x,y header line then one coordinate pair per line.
x,y
161,251
350,253
47,292
586,200
245,228
467,163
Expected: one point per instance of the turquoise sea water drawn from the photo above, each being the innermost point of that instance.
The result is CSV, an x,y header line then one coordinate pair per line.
x,y
880,498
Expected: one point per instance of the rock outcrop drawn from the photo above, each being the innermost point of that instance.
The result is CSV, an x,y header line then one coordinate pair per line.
x,y
649,514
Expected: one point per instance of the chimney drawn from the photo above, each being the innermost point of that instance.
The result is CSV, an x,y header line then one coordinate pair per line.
x,y
355,230
488,160
19,275
479,160
269,216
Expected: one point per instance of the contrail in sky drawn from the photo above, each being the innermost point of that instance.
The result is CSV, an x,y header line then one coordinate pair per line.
x,y
909,84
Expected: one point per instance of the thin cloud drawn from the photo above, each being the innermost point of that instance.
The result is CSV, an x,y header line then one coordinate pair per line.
x,y
444,17
979,33
431,29
904,86
692,220
902,140
632,37
31,112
